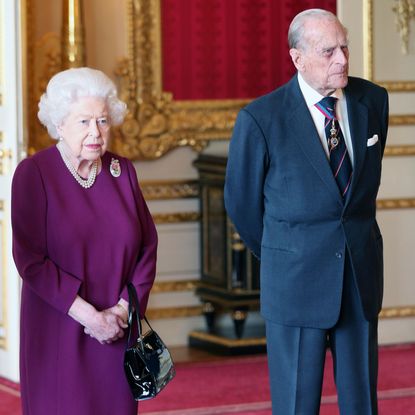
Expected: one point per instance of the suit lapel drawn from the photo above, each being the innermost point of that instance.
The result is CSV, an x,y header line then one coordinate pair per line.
x,y
304,132
358,123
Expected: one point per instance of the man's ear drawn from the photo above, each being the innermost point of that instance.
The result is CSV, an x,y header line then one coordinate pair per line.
x,y
297,58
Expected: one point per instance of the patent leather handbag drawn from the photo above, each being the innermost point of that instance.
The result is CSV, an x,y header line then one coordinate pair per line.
x,y
148,364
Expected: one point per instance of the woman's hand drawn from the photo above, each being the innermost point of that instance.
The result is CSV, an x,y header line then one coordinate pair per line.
x,y
115,321
106,326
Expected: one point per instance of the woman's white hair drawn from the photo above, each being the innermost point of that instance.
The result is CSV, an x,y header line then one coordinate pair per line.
x,y
67,86
296,38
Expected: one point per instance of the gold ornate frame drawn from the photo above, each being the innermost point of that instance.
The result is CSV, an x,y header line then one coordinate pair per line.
x,y
156,123
391,86
368,52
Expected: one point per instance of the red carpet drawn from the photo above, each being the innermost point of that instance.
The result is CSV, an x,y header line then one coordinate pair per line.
x,y
239,386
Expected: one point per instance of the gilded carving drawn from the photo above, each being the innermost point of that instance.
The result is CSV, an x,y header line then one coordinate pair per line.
x,y
5,156
405,12
408,203
174,312
397,312
402,119
195,311
172,286
156,123
3,301
73,34
166,190
179,217
45,61
405,150
368,34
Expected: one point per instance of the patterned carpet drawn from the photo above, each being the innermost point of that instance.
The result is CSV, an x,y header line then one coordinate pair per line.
x,y
239,386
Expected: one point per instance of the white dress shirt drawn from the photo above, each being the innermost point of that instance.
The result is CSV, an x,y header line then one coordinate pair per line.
x,y
311,97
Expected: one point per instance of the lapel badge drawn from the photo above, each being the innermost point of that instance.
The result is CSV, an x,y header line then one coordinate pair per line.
x,y
115,168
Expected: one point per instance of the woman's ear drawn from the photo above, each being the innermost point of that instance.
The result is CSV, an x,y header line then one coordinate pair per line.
x,y
297,58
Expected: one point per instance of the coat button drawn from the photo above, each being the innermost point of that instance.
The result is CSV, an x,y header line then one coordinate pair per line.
x,y
339,255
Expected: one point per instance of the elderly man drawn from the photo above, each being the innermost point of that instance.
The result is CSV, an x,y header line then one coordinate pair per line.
x,y
302,178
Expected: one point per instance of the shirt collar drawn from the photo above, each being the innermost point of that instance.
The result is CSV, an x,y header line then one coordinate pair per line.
x,y
311,96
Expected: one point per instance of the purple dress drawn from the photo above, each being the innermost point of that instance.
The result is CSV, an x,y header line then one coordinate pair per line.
x,y
70,241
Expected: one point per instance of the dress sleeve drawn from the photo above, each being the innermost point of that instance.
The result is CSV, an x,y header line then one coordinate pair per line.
x,y
145,267
30,248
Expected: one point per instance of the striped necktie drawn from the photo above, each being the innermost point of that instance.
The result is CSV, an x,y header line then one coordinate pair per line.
x,y
339,157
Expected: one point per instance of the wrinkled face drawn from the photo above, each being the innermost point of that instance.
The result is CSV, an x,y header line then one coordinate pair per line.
x,y
323,58
86,130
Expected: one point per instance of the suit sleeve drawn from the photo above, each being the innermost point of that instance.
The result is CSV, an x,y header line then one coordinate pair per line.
x,y
245,174
385,119
145,268
30,247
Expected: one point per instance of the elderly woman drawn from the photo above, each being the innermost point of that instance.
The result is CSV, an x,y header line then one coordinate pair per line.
x,y
81,232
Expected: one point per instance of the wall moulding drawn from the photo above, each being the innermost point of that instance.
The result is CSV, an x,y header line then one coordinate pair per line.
x,y
369,53
156,123
408,203
176,217
3,270
369,68
173,286
369,65
170,189
404,150
195,311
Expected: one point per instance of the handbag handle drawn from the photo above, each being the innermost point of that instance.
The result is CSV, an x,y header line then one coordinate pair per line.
x,y
134,308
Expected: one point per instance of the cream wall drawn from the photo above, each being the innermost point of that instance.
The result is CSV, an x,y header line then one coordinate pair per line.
x,y
107,42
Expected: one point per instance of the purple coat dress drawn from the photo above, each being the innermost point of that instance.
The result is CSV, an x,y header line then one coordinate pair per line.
x,y
70,241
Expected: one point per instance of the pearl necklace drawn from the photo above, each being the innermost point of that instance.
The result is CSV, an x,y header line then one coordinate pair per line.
x,y
85,183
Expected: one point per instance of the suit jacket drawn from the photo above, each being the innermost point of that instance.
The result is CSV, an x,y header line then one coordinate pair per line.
x,y
282,197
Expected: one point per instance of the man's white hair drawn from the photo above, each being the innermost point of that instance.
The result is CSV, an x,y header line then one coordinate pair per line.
x,y
296,38
67,86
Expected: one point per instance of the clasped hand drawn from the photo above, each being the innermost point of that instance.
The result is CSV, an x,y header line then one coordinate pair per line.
x,y
108,325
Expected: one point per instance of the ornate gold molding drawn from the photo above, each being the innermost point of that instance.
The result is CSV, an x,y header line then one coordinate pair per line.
x,y
398,86
174,312
405,11
5,156
45,61
368,53
397,312
177,217
402,119
195,311
173,286
73,34
169,189
3,287
405,150
47,56
223,341
156,123
408,203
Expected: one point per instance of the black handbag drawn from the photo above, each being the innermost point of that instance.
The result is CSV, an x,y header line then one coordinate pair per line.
x,y
148,365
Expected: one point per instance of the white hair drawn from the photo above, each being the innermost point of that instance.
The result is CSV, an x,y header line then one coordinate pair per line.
x,y
296,38
67,86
